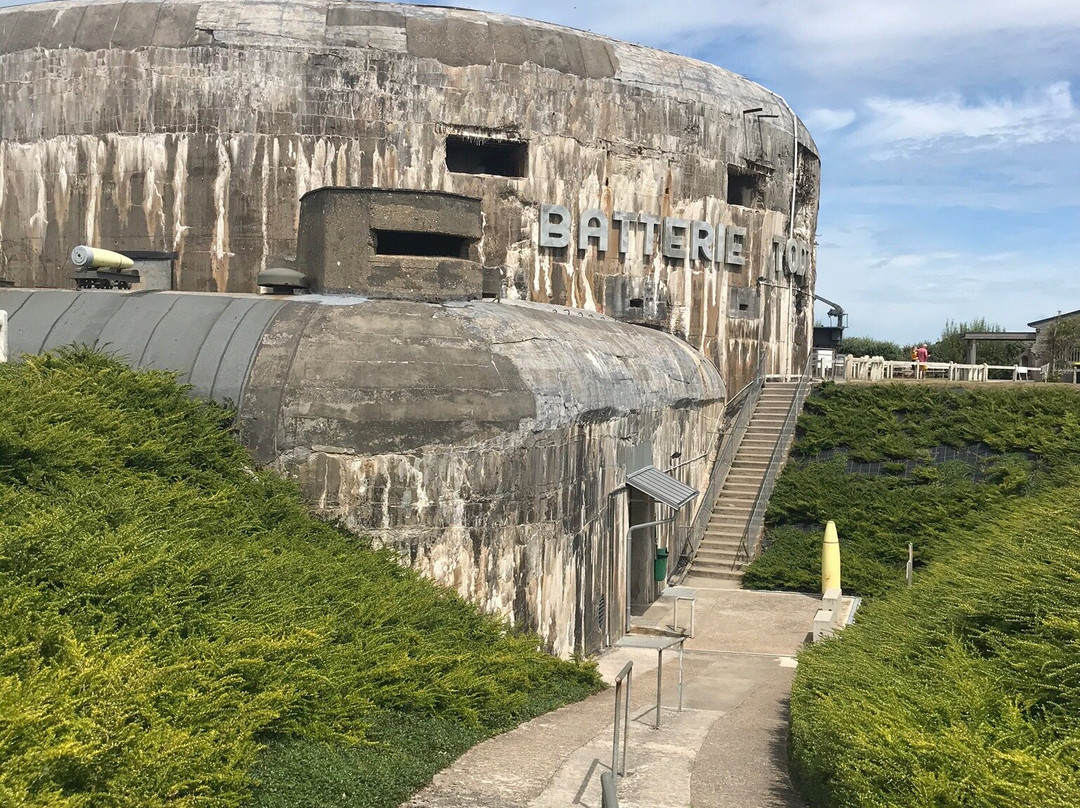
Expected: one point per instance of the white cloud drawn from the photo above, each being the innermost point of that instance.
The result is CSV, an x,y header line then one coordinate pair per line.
x,y
828,120
1043,116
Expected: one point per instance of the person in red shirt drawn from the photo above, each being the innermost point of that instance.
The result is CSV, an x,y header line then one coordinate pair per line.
x,y
922,355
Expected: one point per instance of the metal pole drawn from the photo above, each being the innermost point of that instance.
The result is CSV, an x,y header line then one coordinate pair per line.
x,y
659,682
615,738
680,674
627,674
626,720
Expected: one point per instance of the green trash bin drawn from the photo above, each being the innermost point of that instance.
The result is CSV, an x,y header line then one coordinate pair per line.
x,y
660,564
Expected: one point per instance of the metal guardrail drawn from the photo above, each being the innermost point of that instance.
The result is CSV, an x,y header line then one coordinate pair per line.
x,y
679,641
757,512
737,414
609,795
627,674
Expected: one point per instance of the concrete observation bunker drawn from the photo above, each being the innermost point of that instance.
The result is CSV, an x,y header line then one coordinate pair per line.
x,y
480,439
486,210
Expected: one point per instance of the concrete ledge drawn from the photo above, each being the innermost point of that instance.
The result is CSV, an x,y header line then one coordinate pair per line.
x,y
823,624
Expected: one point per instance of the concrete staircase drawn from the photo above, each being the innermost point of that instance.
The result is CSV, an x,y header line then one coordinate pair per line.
x,y
719,548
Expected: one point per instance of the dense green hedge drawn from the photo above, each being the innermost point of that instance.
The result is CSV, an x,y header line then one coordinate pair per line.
x,y
176,630
962,691
1031,435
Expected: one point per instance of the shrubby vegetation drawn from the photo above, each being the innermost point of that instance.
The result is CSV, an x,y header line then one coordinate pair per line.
x,y
868,346
964,690
950,348
1027,436
176,630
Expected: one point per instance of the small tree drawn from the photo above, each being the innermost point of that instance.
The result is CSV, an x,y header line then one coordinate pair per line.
x,y
1059,343
951,348
868,346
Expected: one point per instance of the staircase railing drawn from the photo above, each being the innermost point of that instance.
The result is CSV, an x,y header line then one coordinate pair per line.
x,y
756,520
737,414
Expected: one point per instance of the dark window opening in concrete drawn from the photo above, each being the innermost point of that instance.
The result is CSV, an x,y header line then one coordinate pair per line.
x,y
432,245
504,158
742,189
743,307
637,303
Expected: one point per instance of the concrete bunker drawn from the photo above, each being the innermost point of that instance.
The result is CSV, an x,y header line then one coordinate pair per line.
x,y
482,440
162,158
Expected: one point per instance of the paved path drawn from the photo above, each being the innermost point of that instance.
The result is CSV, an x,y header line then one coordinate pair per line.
x,y
726,748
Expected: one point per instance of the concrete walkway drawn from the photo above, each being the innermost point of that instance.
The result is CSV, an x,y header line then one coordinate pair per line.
x,y
728,747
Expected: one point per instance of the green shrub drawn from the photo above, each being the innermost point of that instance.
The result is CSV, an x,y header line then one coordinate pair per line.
x,y
962,691
1027,438
169,614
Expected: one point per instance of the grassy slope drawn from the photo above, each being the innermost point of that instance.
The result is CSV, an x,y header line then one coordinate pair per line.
x,y
175,629
964,690
1033,433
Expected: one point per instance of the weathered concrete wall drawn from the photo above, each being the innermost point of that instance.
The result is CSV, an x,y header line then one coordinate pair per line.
x,y
482,441
198,126
486,442
339,244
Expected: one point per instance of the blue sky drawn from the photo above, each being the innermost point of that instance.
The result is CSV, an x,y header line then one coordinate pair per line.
x,y
949,134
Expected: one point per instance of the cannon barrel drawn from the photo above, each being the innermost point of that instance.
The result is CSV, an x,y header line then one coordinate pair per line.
x,y
97,258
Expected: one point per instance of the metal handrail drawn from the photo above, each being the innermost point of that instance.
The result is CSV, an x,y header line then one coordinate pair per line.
x,y
679,641
626,673
741,406
609,795
757,512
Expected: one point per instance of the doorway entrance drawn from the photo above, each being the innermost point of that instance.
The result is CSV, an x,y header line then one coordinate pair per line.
x,y
643,590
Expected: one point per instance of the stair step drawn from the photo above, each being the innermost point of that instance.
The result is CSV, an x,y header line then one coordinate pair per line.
x,y
729,549
721,573
728,527
716,551
718,554
721,542
731,539
744,502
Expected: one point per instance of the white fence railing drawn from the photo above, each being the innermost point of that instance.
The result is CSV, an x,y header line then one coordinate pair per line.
x,y
874,368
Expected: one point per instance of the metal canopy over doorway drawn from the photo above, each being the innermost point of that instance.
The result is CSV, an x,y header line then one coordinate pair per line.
x,y
661,486
641,542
